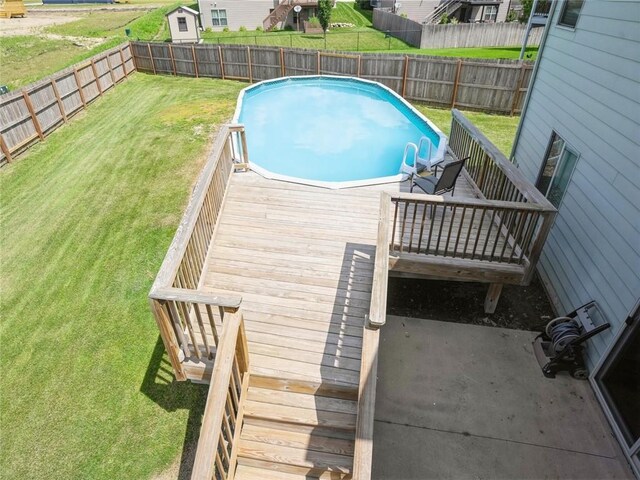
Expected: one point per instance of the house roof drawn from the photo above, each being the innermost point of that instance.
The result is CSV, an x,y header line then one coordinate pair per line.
x,y
186,9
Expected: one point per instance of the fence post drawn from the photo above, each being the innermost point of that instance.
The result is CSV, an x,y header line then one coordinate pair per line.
x,y
95,75
516,93
54,87
318,63
195,60
173,60
359,65
455,84
32,111
282,69
79,84
5,150
221,61
358,42
249,64
153,64
404,74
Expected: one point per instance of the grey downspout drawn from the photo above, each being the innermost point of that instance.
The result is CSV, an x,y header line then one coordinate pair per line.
x,y
543,42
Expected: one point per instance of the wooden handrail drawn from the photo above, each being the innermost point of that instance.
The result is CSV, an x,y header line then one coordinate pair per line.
x,y
184,295
378,309
223,413
363,446
461,147
185,317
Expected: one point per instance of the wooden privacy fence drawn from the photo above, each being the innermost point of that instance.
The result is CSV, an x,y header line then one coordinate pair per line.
x,y
29,115
488,85
187,318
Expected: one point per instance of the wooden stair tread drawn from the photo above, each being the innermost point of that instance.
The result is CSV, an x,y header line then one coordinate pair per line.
x,y
301,400
297,415
246,472
293,457
310,440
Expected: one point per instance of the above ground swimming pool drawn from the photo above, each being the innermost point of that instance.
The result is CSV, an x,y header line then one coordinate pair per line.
x,y
334,132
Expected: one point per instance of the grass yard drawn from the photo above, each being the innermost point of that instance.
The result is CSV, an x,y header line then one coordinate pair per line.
x,y
85,220
500,129
480,52
27,58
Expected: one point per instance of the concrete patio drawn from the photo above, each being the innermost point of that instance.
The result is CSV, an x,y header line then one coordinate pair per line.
x,y
465,401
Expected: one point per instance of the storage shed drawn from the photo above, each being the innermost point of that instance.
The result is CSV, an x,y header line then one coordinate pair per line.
x,y
183,25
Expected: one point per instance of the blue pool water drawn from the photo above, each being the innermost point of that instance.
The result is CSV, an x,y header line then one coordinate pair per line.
x,y
328,129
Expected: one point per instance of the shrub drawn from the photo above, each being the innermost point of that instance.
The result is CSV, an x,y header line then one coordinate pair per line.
x,y
314,22
512,16
242,28
444,19
225,29
275,29
404,15
454,21
259,29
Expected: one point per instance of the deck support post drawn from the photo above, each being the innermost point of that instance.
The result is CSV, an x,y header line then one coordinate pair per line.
x,y
493,295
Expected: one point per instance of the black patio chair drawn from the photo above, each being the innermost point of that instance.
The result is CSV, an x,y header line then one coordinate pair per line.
x,y
446,182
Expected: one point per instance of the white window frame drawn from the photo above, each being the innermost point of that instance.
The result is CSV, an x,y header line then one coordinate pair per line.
x,y
217,17
563,10
491,14
180,25
565,148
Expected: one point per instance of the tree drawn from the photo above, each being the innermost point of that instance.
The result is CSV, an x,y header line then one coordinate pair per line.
x,y
324,13
527,5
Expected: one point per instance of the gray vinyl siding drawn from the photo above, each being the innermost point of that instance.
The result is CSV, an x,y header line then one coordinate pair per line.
x,y
240,13
417,10
587,89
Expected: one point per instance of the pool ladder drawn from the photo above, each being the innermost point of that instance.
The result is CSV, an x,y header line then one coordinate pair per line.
x,y
413,151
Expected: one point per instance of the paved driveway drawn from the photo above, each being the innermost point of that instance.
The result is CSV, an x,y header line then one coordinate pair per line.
x,y
464,401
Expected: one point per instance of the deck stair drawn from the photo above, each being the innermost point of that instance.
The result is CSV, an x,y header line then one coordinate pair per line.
x,y
447,7
280,13
296,431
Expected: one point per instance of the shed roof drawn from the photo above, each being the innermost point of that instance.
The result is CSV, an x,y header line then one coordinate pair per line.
x,y
186,9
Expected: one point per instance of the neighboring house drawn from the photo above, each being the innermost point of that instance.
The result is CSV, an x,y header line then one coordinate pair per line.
x,y
579,141
251,14
465,11
183,25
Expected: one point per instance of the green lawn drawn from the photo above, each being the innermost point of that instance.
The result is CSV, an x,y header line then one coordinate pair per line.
x,y
25,59
97,24
479,52
85,220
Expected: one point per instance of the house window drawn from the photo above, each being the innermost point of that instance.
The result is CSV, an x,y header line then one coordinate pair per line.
x,y
556,171
570,13
182,24
490,13
219,18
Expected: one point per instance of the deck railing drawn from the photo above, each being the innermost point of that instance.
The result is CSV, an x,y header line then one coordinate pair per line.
x,y
186,317
474,229
217,451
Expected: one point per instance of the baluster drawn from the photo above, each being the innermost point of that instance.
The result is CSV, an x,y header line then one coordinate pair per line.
x,y
178,327
466,242
499,234
520,225
486,240
212,322
404,222
453,216
203,332
475,245
187,319
424,214
393,231
413,224
534,217
459,234
430,206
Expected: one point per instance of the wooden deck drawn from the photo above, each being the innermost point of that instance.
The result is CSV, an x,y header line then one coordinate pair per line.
x,y
302,259
274,292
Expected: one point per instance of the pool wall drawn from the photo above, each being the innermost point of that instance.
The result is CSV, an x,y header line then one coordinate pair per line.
x,y
436,158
